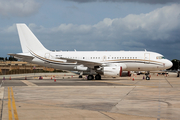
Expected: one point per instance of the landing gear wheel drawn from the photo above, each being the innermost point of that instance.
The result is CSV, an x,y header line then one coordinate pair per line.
x,y
90,77
80,76
98,77
147,78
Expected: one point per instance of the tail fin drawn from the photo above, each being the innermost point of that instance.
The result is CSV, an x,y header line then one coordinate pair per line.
x,y
28,39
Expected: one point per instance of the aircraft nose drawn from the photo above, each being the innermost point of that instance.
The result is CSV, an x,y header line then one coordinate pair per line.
x,y
169,64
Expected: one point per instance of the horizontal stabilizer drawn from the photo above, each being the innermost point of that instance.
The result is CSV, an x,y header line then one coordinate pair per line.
x,y
18,56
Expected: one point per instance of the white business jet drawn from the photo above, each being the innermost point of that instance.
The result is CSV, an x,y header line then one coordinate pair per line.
x,y
91,63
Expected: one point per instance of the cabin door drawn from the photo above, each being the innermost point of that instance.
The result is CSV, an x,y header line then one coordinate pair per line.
x,y
147,56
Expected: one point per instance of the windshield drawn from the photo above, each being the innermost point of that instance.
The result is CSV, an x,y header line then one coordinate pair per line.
x,y
160,57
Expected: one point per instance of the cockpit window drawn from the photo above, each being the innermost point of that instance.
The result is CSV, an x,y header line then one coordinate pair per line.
x,y
160,57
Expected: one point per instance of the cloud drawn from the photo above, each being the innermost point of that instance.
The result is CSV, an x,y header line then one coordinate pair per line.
x,y
139,1
10,29
160,24
19,8
155,31
156,25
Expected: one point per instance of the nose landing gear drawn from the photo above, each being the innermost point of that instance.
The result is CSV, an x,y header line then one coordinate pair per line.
x,y
147,76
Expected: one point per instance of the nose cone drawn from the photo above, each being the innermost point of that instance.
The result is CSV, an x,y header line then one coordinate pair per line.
x,y
169,64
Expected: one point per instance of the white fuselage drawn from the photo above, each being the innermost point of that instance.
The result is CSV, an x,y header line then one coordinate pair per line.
x,y
134,60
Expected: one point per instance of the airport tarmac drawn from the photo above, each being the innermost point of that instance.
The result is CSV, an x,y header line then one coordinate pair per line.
x,y
70,97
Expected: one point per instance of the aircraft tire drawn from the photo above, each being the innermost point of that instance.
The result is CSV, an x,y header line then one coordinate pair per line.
x,y
90,77
80,76
147,78
98,77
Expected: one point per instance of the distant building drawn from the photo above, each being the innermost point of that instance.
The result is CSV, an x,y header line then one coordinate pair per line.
x,y
18,67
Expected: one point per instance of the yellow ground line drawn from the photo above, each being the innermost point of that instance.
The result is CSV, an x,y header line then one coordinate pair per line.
x,y
14,105
9,104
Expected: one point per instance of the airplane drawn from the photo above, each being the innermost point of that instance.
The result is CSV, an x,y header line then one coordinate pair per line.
x,y
91,63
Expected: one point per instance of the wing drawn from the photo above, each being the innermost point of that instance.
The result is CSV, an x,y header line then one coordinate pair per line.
x,y
22,57
86,63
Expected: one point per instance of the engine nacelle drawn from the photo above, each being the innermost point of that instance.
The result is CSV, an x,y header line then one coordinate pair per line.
x,y
112,71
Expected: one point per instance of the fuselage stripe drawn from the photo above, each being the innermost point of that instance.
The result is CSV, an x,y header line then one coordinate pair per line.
x,y
110,61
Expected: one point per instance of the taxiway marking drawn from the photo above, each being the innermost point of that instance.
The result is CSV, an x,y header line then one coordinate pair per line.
x,y
11,96
28,83
14,105
9,104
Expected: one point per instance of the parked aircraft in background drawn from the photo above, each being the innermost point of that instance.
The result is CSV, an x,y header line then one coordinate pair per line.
x,y
92,63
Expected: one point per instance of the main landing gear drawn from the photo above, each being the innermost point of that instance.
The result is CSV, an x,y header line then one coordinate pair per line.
x,y
91,77
98,77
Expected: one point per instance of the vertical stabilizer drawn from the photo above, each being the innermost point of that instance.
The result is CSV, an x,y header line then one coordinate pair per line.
x,y
28,40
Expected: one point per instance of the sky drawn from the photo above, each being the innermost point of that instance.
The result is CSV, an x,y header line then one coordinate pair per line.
x,y
94,25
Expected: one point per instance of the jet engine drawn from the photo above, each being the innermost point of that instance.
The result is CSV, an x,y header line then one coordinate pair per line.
x,y
112,71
